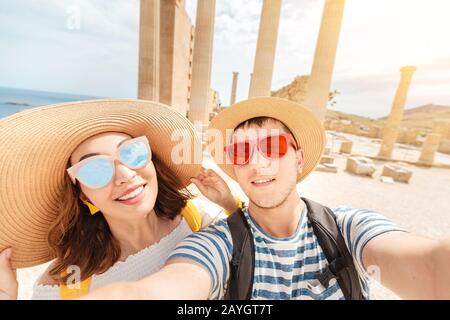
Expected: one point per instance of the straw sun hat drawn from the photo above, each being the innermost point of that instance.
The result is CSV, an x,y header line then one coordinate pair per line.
x,y
305,127
35,147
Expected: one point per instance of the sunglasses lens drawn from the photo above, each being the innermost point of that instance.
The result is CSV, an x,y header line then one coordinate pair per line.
x,y
274,146
239,153
96,173
134,154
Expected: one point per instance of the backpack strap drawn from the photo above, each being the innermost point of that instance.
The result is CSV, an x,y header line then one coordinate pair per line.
x,y
340,262
322,219
242,265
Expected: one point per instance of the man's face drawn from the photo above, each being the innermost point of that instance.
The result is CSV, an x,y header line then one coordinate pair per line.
x,y
267,182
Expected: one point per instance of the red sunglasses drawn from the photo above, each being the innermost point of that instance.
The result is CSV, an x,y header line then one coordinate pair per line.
x,y
271,147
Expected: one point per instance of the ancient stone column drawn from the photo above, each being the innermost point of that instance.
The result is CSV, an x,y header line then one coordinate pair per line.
x,y
249,87
201,105
431,144
233,88
261,80
166,49
322,70
396,115
148,81
429,148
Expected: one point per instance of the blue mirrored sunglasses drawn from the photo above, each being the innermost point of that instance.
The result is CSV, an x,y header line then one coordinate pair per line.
x,y
97,171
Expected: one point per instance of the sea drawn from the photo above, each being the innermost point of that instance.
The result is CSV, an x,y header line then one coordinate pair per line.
x,y
14,100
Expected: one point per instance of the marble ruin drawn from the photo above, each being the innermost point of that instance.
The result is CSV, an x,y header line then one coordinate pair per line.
x,y
201,94
175,59
346,147
322,70
396,172
234,88
390,132
167,72
261,80
432,143
361,166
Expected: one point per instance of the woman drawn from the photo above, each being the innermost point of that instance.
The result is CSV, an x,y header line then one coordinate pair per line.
x,y
94,184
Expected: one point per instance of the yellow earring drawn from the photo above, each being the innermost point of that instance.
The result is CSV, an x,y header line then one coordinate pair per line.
x,y
92,209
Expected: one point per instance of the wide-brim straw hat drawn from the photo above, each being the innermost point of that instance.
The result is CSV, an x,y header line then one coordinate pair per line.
x,y
36,145
306,128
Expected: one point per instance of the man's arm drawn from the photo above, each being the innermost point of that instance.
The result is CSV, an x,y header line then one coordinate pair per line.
x,y
179,279
411,266
196,269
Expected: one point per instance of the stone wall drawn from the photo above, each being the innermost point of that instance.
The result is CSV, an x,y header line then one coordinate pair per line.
x,y
295,91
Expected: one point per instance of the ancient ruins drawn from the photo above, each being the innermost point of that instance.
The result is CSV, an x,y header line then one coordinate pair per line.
x,y
175,59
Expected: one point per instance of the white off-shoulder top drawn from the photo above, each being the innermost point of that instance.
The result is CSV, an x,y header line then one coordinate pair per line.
x,y
142,263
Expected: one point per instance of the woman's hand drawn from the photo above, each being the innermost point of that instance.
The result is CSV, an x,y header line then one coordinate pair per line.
x,y
8,280
213,187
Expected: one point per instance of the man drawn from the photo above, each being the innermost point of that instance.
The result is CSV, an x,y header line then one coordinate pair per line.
x,y
274,144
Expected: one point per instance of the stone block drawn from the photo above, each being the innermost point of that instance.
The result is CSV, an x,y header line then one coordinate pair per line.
x,y
346,147
327,167
360,166
326,159
397,172
385,179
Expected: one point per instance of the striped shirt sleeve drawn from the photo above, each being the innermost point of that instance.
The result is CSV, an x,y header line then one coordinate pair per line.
x,y
358,227
212,248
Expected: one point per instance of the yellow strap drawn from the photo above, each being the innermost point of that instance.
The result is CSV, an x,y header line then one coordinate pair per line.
x,y
239,204
192,216
77,290
190,213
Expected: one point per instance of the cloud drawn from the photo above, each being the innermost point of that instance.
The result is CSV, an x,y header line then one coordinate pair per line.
x,y
43,50
372,95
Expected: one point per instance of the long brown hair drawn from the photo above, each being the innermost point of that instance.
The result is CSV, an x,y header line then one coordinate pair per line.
x,y
84,240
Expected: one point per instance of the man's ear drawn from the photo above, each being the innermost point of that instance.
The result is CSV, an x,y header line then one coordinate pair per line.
x,y
300,159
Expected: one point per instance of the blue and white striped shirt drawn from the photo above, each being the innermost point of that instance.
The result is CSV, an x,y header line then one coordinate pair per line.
x,y
285,268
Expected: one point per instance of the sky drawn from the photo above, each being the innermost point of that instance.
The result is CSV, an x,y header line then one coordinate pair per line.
x,y
91,48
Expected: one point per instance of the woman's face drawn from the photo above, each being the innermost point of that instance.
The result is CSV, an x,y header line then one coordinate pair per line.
x,y
131,192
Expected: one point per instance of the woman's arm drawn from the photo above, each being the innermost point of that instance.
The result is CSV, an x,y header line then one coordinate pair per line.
x,y
8,277
179,280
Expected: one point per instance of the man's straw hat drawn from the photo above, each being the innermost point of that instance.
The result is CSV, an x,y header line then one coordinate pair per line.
x,y
305,127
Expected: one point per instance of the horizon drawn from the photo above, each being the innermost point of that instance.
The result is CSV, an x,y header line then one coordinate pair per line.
x,y
329,108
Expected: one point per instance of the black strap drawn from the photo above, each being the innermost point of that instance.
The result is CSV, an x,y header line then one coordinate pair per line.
x,y
332,271
340,261
240,283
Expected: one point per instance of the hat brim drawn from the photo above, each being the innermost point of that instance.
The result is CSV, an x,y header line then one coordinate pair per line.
x,y
36,146
307,130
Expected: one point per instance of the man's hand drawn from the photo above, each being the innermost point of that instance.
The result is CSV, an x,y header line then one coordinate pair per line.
x,y
213,187
8,281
